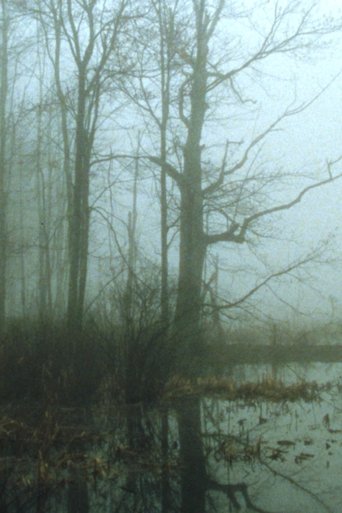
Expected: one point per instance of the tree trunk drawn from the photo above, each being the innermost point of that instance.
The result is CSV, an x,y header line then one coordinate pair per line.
x,y
3,138
130,367
79,222
44,285
165,478
193,471
164,296
192,244
165,62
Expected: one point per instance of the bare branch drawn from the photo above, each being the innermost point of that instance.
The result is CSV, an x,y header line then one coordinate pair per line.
x,y
299,38
169,168
288,112
181,96
214,186
265,281
237,232
233,234
286,206
231,491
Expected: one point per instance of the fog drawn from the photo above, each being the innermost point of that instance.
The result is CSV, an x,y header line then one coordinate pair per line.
x,y
306,77
170,256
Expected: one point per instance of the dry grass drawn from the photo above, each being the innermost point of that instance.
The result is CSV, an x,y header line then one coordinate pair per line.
x,y
268,389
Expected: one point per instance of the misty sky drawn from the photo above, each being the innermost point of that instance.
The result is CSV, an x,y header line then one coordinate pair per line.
x,y
303,146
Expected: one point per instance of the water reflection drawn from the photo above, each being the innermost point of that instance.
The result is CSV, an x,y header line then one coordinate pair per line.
x,y
194,455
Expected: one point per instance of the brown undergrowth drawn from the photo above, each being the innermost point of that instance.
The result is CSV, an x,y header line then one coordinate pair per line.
x,y
268,389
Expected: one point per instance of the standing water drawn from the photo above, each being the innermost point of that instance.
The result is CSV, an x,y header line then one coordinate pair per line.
x,y
204,452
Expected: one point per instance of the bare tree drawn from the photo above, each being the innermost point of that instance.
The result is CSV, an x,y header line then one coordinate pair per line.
x,y
149,88
3,141
91,36
219,191
166,19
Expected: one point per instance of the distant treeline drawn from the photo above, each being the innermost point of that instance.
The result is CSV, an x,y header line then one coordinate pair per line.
x,y
245,353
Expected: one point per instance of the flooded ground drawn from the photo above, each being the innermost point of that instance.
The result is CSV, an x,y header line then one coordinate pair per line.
x,y
193,454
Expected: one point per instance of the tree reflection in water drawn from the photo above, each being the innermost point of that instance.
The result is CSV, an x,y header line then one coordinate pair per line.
x,y
194,456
